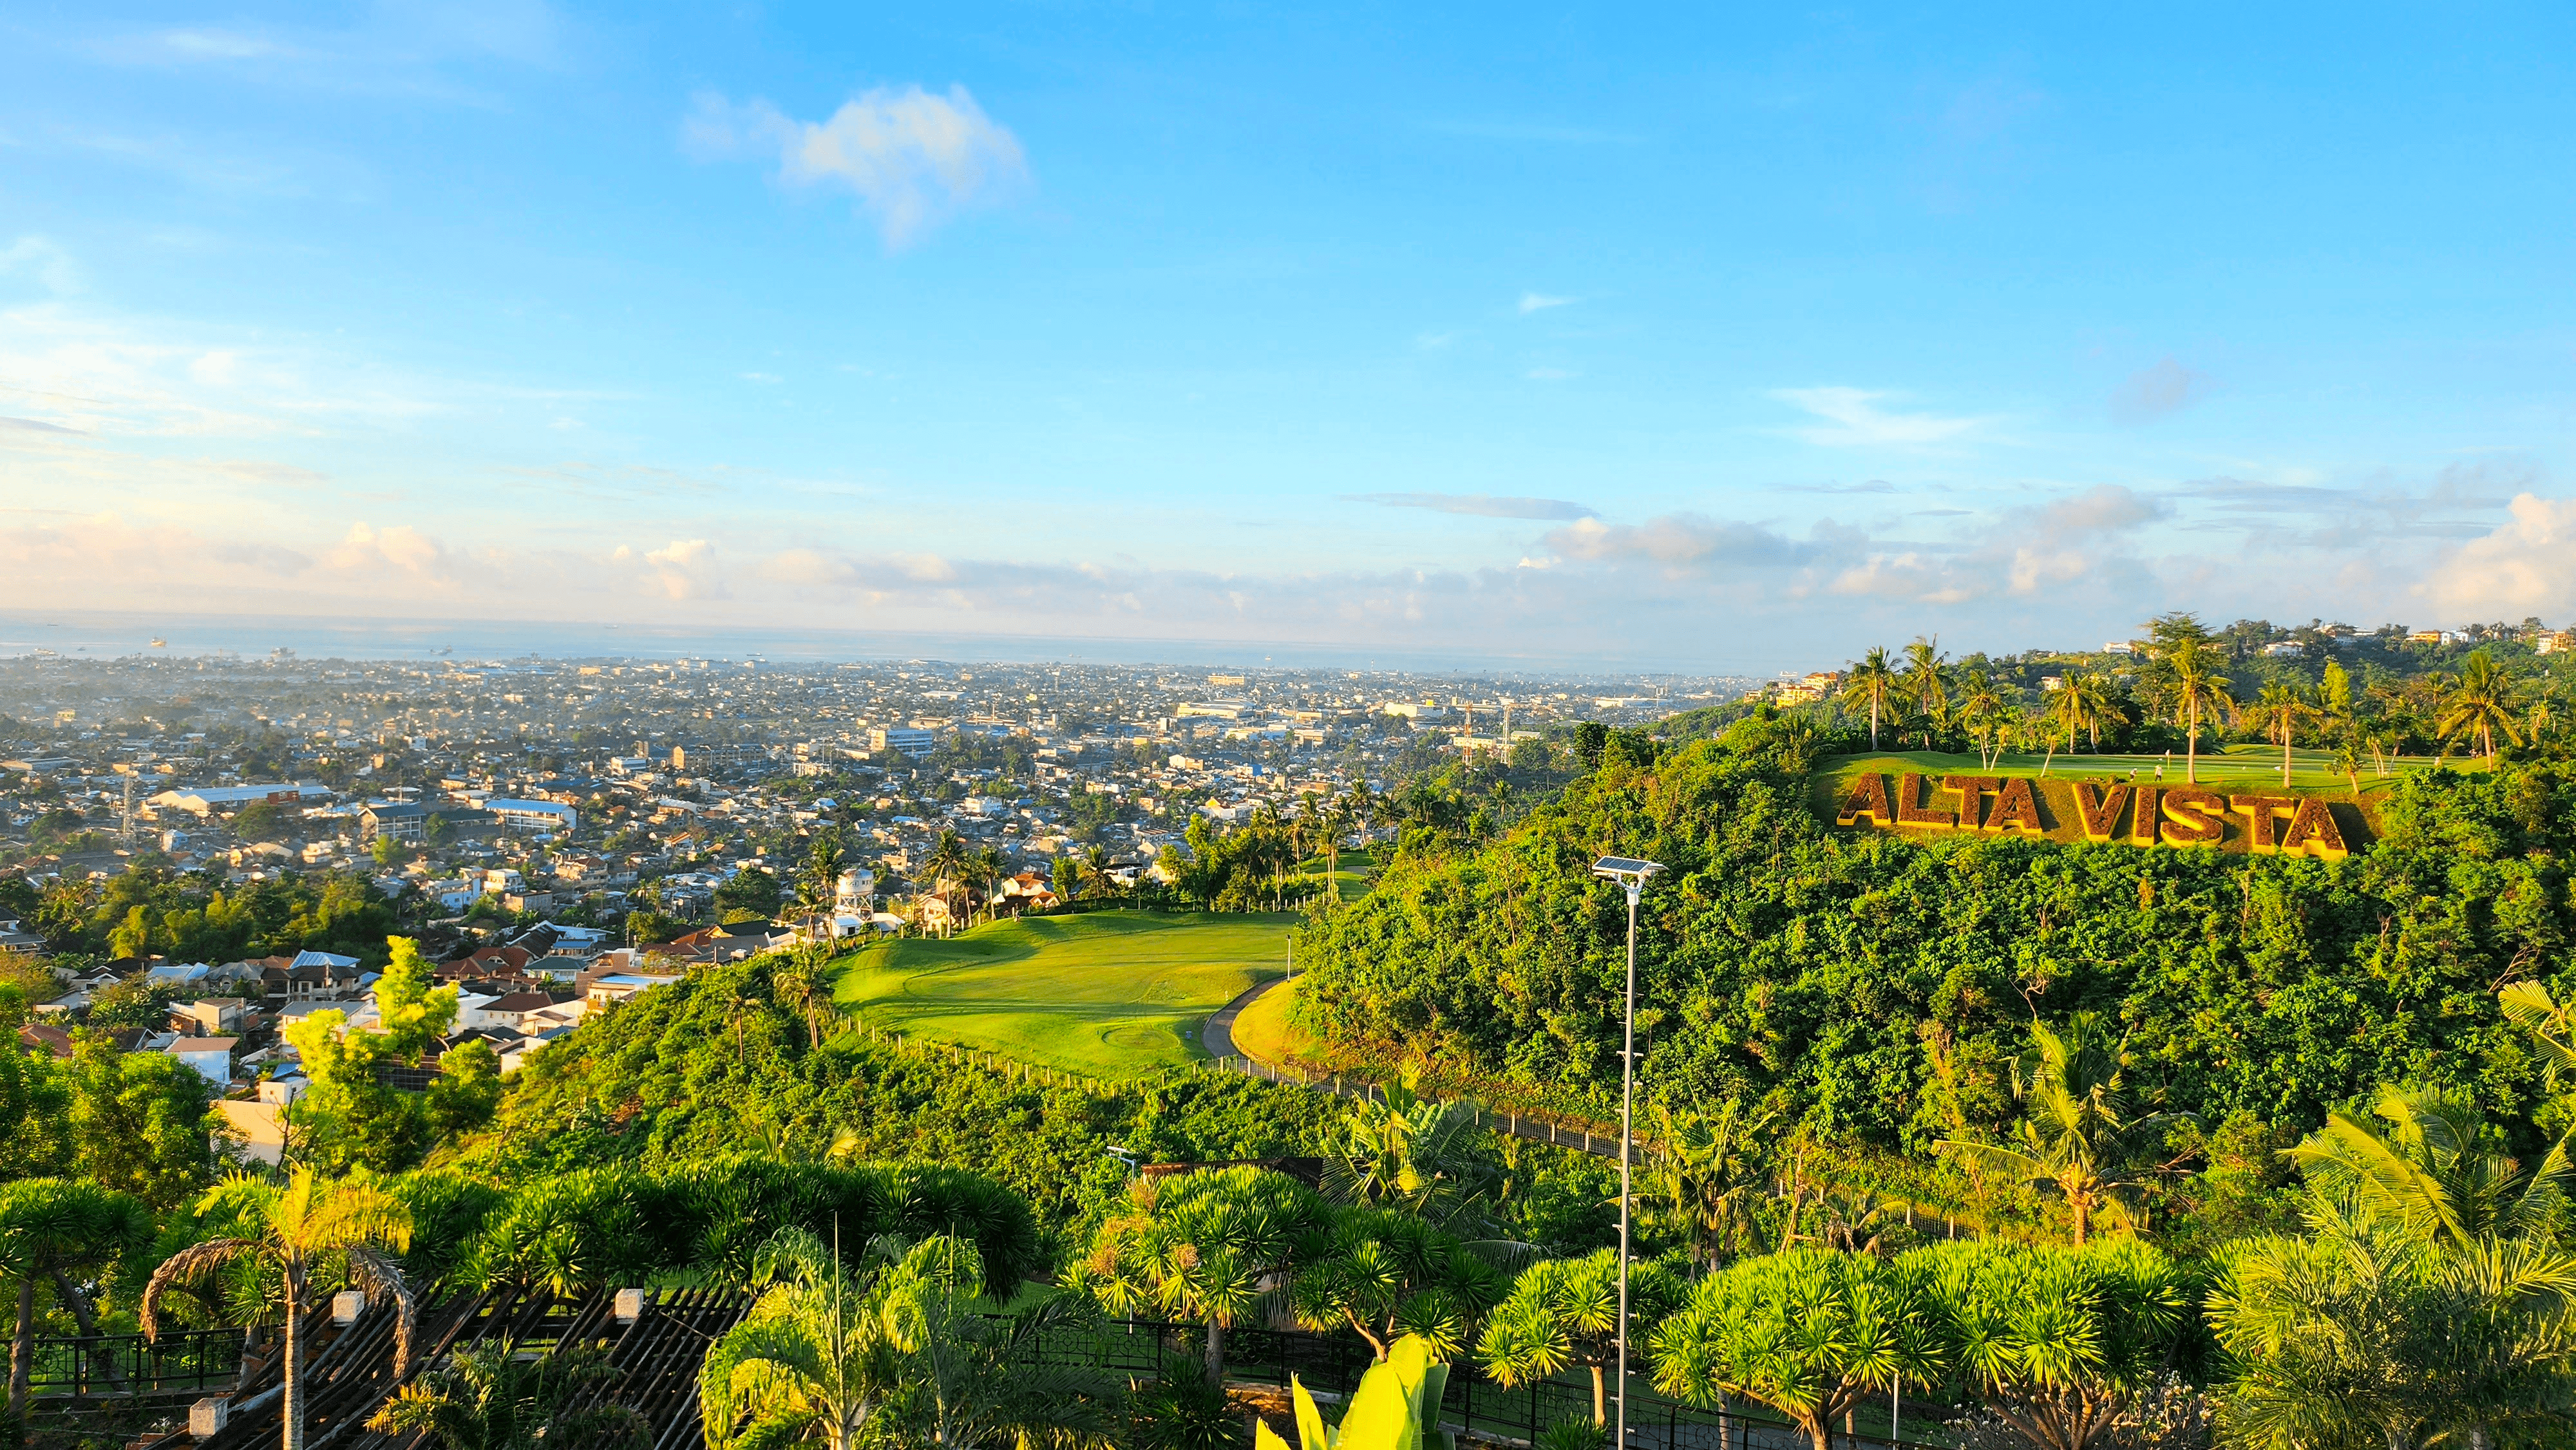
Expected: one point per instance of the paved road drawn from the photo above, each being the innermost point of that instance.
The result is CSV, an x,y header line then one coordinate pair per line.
x,y
1218,1035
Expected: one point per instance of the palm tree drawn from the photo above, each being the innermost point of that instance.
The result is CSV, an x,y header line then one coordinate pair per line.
x,y
2198,689
56,1231
1873,683
2279,712
2068,710
1981,711
946,867
2429,1303
2433,1171
296,1231
989,870
486,1397
1707,1177
2077,1139
1927,682
2480,704
2101,702
822,1352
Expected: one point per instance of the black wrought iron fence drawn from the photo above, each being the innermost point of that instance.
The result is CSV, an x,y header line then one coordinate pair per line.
x,y
188,1361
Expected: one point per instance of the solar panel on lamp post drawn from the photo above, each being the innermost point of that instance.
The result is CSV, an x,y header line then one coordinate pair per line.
x,y
1630,873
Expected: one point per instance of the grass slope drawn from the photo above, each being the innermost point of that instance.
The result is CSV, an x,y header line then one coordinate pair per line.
x,y
1110,993
1262,1029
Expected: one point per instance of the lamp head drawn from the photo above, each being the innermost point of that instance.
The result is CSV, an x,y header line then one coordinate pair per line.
x,y
1626,869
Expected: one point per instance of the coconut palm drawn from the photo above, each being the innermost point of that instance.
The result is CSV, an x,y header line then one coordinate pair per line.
x,y
2433,1171
2479,704
1981,712
2429,1303
1873,683
2198,690
2067,711
2100,703
945,869
2077,1138
1707,1176
299,1232
1926,682
2279,712
60,1232
489,1397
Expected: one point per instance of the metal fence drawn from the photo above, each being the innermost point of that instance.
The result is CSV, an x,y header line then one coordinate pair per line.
x,y
182,1362
1330,1365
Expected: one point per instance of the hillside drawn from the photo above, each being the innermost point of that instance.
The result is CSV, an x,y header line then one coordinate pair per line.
x,y
1877,988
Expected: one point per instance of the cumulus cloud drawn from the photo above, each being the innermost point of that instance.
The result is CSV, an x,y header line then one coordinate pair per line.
x,y
912,158
683,569
2153,392
1857,420
2023,553
400,551
1480,505
2521,568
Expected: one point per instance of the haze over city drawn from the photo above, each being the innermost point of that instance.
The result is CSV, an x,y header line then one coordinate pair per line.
x,y
1709,341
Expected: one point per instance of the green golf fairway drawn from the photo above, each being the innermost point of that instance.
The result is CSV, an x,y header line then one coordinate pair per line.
x,y
1109,993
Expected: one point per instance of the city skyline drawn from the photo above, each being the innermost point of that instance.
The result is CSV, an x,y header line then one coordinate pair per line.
x,y
1722,344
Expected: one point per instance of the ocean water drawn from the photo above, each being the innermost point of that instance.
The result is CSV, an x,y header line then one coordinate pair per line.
x,y
85,635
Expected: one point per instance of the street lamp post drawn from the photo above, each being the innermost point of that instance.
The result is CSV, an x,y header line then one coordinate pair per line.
x,y
1632,874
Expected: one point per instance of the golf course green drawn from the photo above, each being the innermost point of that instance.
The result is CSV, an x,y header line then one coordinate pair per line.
x,y
1108,993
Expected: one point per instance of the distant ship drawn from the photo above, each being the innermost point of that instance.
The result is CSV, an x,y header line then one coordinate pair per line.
x,y
159,643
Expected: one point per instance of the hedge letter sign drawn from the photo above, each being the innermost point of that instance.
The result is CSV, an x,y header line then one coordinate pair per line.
x,y
2084,810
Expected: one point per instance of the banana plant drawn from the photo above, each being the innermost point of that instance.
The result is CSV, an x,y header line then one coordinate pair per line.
x,y
1396,1407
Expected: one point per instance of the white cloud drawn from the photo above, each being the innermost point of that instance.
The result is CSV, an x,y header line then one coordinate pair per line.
x,y
1540,302
2526,566
1860,423
914,159
1550,375
43,260
401,552
684,569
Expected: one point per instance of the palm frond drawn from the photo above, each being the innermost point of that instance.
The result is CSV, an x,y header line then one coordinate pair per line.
x,y
381,1277
187,1264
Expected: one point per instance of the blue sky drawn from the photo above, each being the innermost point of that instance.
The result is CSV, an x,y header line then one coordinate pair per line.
x,y
1731,340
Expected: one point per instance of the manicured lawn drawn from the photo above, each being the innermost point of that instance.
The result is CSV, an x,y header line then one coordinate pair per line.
x,y
1350,872
1110,993
1261,1030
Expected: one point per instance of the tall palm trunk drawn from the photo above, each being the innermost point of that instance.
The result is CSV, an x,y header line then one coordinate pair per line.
x,y
1215,1353
292,1407
2191,747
